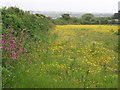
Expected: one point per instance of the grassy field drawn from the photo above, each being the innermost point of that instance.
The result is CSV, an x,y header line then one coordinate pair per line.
x,y
71,56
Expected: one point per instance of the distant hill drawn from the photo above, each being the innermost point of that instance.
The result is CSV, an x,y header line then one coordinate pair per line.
x,y
55,15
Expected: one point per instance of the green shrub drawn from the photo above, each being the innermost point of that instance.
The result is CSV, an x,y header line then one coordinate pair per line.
x,y
19,20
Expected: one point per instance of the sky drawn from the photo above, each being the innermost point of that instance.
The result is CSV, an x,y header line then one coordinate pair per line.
x,y
89,6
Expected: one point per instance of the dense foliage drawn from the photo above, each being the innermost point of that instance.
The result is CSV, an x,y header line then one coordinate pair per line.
x,y
19,29
20,20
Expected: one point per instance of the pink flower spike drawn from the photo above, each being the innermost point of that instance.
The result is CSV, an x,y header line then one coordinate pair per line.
x,y
7,48
9,26
6,55
14,41
13,53
6,63
12,46
16,56
21,49
3,41
0,46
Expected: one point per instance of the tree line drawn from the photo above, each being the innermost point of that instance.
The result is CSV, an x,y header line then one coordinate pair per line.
x,y
85,19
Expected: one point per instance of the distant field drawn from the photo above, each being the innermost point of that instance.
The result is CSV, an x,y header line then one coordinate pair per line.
x,y
74,56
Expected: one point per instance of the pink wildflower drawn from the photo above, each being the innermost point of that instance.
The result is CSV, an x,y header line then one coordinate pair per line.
x,y
7,48
6,55
3,41
21,49
9,26
12,45
6,35
14,41
26,50
16,56
6,63
13,53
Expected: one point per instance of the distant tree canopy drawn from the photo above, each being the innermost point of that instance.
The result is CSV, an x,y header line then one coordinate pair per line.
x,y
74,19
85,19
88,17
66,16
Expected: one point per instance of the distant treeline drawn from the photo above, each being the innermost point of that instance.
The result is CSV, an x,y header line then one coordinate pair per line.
x,y
85,19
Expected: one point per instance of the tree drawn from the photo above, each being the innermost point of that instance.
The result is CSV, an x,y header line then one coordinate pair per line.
x,y
88,17
66,16
103,20
74,19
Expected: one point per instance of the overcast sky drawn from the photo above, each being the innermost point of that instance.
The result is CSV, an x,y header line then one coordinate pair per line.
x,y
89,6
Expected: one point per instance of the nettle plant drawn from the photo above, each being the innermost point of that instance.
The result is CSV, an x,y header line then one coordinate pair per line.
x,y
12,46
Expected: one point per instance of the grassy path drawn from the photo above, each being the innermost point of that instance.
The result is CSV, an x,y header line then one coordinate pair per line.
x,y
71,56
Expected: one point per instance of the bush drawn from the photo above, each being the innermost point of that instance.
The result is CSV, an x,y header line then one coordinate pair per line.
x,y
20,20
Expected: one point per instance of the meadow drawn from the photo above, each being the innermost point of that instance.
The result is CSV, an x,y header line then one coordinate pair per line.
x,y
70,56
